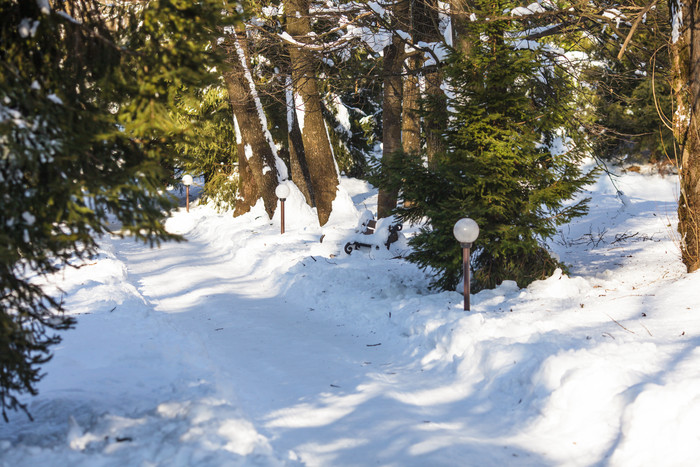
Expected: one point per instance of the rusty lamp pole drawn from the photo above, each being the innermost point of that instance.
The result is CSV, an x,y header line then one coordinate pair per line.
x,y
282,192
466,231
187,181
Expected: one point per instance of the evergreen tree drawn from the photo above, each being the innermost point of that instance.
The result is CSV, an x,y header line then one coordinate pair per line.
x,y
511,162
86,128
211,150
353,108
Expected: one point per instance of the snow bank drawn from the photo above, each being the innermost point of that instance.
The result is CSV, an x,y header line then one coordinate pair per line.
x,y
247,347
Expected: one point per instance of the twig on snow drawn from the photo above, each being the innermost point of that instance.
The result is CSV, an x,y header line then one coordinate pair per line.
x,y
616,322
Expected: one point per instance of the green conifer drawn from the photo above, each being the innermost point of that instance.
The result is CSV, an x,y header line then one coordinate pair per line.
x,y
210,151
511,162
85,131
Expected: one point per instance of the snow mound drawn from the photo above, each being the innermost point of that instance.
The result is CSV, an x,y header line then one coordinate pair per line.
x,y
242,346
559,286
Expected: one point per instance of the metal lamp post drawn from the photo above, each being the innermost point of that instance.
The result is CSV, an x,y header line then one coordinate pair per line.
x,y
282,191
466,231
187,181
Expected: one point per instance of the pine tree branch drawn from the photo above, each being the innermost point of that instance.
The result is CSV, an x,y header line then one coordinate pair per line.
x,y
634,28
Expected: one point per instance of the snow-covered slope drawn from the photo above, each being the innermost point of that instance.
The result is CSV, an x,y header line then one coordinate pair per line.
x,y
246,347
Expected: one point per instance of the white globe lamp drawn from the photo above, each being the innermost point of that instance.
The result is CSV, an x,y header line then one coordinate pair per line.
x,y
466,231
282,191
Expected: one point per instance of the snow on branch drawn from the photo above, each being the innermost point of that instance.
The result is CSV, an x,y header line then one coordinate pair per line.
x,y
44,6
324,47
528,10
68,17
676,20
317,46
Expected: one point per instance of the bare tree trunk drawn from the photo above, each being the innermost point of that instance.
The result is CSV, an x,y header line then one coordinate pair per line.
x,y
297,155
323,172
410,122
247,188
435,98
258,174
685,49
461,39
425,27
392,102
437,123
411,117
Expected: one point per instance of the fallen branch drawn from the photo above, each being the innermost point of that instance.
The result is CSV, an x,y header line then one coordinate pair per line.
x,y
616,322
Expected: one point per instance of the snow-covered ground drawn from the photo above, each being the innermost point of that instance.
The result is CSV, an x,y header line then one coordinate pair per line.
x,y
246,347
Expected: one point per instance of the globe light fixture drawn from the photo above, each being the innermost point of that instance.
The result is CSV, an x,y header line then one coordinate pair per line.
x,y
187,181
466,232
282,192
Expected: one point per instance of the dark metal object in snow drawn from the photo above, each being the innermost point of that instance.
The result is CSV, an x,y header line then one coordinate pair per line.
x,y
466,254
282,200
369,229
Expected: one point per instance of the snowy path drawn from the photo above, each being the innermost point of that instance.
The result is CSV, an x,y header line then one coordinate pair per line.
x,y
245,347
267,352
323,392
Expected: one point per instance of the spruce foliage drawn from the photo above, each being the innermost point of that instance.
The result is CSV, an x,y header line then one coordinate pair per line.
x,y
85,132
354,94
210,152
511,163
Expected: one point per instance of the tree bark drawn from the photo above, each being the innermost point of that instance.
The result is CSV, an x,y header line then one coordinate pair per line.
x,y
297,155
258,175
685,50
437,123
418,16
323,173
247,188
425,27
410,122
436,98
394,56
460,32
